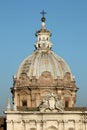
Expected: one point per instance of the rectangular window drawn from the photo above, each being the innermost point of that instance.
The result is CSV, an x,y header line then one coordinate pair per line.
x,y
24,103
66,104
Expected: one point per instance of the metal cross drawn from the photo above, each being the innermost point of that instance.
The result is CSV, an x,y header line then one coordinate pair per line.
x,y
43,13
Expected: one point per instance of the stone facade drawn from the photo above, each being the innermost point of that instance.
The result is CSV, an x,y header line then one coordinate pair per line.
x,y
51,120
44,92
33,91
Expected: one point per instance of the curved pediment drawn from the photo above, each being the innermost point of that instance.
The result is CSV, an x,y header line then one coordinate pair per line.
x,y
45,79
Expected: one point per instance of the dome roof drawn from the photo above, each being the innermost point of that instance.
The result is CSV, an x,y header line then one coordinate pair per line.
x,y
43,73
43,59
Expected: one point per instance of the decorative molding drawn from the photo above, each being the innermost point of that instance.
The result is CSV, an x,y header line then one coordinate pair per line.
x,y
51,103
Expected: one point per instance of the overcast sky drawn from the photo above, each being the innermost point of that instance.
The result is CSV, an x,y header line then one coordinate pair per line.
x,y
19,20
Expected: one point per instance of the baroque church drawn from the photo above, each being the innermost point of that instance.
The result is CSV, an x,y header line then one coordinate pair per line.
x,y
44,91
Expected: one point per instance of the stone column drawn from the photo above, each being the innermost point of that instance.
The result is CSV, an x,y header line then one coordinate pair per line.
x,y
60,125
9,125
12,125
44,124
86,125
76,125
15,102
38,125
23,125
17,125
27,125
18,100
65,125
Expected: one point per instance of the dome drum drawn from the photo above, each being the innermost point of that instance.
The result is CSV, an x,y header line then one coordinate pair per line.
x,y
45,80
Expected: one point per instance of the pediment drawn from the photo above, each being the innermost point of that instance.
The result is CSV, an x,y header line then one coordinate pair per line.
x,y
45,79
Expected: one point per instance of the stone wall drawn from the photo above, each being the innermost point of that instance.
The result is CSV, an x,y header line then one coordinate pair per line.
x,y
66,120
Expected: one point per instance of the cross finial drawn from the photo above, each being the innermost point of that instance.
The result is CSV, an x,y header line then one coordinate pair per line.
x,y
43,13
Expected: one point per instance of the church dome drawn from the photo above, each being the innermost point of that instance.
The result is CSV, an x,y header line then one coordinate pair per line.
x,y
43,73
43,59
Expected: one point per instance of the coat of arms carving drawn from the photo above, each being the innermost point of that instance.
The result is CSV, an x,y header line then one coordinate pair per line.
x,y
51,103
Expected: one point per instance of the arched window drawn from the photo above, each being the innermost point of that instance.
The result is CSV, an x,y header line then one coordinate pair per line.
x,y
52,128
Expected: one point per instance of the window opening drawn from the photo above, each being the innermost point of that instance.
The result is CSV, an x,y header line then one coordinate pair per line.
x,y
66,103
24,103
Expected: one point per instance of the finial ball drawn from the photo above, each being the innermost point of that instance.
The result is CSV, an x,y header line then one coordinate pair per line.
x,y
43,19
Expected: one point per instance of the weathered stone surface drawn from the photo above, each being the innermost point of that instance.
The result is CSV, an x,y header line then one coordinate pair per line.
x,y
44,92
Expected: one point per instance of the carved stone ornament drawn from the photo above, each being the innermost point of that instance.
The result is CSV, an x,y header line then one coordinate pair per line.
x,y
45,79
22,81
51,103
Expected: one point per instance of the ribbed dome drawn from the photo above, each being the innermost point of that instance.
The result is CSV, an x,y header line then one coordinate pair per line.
x,y
41,61
43,73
